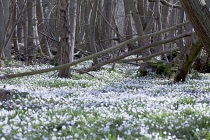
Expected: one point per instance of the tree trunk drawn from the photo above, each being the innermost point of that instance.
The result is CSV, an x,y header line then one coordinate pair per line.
x,y
199,15
189,57
67,30
20,32
43,27
106,27
91,29
25,29
139,29
128,24
4,27
32,38
15,36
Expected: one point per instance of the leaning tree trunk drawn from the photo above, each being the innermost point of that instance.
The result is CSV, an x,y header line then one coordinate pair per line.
x,y
199,16
188,58
67,30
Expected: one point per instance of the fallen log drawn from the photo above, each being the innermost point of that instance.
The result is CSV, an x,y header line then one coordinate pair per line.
x,y
149,57
98,66
93,55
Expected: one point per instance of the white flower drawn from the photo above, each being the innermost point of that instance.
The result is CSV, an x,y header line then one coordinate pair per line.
x,y
106,129
120,128
6,129
164,132
63,127
76,135
54,138
174,136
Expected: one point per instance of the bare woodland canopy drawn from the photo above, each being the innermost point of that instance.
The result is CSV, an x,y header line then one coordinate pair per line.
x,y
105,31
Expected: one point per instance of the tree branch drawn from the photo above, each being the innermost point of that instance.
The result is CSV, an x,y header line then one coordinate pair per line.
x,y
164,2
94,55
148,57
98,66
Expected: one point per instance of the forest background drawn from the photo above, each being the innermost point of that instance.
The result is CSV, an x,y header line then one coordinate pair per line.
x,y
106,31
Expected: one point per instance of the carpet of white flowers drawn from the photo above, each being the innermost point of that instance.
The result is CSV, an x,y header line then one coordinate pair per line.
x,y
112,105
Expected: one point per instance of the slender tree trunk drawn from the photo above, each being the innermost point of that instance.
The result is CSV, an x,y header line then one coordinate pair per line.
x,y
43,27
139,29
67,34
15,36
25,29
32,31
92,30
158,25
4,28
106,26
128,23
20,32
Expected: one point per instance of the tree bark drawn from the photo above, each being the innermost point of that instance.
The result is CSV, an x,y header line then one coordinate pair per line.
x,y
199,15
106,26
32,28
92,25
20,32
67,42
128,24
189,57
43,23
4,27
15,42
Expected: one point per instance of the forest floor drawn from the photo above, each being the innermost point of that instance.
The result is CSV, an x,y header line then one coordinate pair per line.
x,y
112,105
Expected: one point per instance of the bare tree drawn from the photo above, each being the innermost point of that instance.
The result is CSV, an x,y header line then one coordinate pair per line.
x,y
199,15
43,28
4,29
68,10
92,25
33,39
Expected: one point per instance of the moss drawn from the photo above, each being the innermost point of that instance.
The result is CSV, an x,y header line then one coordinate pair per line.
x,y
142,73
172,55
163,70
159,68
